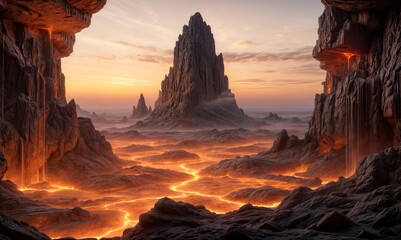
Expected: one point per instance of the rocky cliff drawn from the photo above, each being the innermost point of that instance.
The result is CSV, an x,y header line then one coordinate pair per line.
x,y
196,87
141,110
38,127
360,110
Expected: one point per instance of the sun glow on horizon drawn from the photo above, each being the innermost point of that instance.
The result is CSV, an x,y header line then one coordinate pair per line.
x,y
128,49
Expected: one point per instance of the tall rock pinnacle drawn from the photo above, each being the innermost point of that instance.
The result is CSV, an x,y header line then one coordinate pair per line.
x,y
141,110
196,78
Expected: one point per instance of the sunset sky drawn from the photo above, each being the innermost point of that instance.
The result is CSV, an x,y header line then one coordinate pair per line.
x,y
266,45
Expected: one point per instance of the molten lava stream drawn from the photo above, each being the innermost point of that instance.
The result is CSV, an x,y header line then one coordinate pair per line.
x,y
129,220
234,204
51,188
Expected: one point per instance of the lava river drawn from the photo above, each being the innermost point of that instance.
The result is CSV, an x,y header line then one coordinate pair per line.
x,y
164,164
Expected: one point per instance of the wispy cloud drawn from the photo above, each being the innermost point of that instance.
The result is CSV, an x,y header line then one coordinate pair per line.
x,y
145,49
105,57
244,44
152,59
311,69
156,59
127,81
148,54
272,83
152,54
152,14
301,54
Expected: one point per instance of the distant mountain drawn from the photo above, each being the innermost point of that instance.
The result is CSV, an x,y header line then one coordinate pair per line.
x,y
141,110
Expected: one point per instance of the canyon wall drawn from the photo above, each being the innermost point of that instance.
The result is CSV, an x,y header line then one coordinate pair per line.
x,y
38,127
359,46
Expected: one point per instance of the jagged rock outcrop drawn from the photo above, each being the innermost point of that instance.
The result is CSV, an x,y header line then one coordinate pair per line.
x,y
54,221
91,154
260,195
141,110
364,206
360,107
171,156
3,166
196,89
359,6
82,112
15,230
37,126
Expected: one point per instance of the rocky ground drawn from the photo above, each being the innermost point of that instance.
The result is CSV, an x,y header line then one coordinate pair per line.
x,y
364,206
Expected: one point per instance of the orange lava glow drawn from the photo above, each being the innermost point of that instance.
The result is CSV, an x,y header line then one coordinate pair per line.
x,y
348,55
53,188
126,205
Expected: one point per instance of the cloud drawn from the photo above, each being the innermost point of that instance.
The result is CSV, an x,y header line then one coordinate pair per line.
x,y
271,83
152,54
157,59
152,59
301,54
243,44
146,49
269,71
311,69
127,81
105,57
148,54
152,14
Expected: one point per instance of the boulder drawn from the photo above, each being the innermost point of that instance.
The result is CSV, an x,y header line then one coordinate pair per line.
x,y
333,222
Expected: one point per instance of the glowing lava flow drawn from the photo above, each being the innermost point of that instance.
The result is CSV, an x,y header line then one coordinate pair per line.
x,y
54,188
127,219
348,56
127,216
196,178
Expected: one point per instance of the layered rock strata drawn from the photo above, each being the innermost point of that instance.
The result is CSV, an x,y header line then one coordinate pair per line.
x,y
360,109
37,125
196,88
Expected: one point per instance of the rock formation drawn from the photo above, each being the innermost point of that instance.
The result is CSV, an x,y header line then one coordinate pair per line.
x,y
359,112
82,112
196,89
18,230
360,109
37,125
141,110
3,166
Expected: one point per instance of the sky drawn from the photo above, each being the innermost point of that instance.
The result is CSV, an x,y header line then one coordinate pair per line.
x,y
266,45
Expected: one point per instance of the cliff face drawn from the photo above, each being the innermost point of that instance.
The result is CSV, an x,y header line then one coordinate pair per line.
x,y
359,46
37,125
196,79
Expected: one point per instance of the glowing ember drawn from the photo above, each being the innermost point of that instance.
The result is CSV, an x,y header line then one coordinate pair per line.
x,y
349,56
